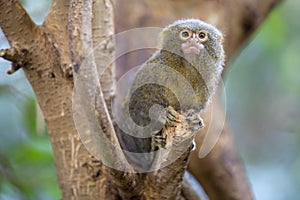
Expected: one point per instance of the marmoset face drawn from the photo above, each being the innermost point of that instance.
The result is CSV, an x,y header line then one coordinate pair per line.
x,y
193,37
192,41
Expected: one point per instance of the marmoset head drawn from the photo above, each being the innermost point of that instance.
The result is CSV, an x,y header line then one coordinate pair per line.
x,y
192,37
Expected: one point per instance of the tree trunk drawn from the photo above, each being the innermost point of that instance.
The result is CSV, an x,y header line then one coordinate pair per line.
x,y
50,54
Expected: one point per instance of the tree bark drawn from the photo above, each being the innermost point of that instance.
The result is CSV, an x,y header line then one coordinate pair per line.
x,y
46,57
48,69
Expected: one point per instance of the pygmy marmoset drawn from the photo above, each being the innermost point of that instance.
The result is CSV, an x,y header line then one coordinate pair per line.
x,y
180,77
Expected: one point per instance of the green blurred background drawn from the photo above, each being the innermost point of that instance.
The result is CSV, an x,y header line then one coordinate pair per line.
x,y
263,110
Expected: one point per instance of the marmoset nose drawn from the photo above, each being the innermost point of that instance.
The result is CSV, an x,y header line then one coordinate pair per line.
x,y
194,39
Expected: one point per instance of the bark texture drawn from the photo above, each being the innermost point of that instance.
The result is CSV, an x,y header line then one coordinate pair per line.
x,y
46,57
48,69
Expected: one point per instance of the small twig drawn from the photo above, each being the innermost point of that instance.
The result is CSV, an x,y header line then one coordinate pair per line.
x,y
16,56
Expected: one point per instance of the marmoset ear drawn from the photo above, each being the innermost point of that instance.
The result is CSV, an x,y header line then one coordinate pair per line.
x,y
221,38
163,34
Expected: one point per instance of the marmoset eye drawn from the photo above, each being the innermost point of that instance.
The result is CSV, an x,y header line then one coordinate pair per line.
x,y
185,34
202,35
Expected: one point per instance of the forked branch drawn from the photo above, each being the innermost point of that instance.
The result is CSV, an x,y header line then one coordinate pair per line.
x,y
86,77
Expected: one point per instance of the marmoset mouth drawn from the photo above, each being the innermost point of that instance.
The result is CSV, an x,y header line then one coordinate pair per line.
x,y
192,48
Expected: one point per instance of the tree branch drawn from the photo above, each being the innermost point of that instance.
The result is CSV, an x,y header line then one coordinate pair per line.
x,y
16,24
220,173
79,175
103,30
250,14
87,82
191,189
165,182
56,24
19,30
16,56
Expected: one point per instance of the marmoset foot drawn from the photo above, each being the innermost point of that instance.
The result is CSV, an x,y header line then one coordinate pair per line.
x,y
172,116
194,120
